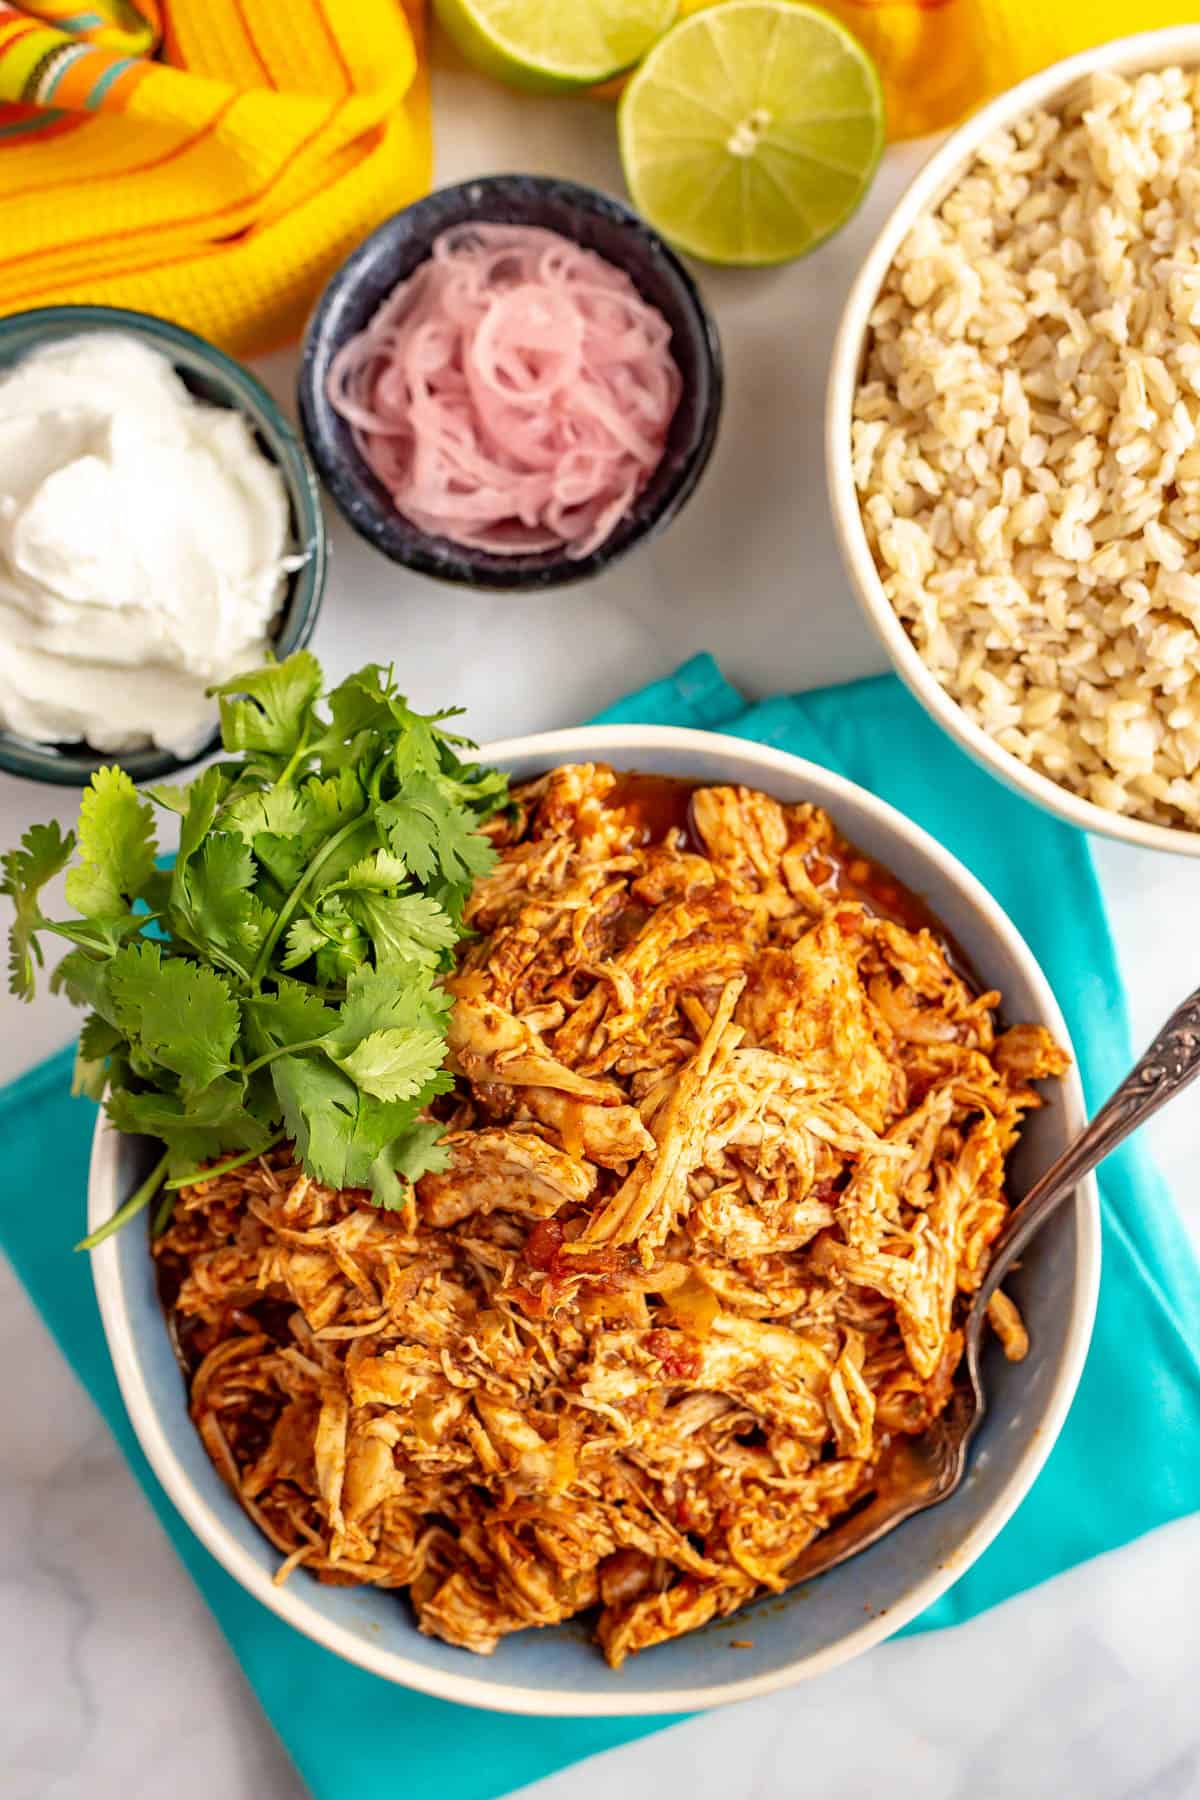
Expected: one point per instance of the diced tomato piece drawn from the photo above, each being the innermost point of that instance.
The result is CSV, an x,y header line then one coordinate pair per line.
x,y
543,1244
676,1356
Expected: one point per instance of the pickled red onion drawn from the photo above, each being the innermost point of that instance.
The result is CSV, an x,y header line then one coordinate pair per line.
x,y
514,394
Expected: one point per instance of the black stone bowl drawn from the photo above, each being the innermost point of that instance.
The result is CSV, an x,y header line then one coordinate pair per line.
x,y
392,252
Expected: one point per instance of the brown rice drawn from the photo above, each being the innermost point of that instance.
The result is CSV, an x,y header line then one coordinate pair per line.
x,y
1026,445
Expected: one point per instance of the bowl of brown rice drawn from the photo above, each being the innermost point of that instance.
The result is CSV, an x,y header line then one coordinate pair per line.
x,y
1013,438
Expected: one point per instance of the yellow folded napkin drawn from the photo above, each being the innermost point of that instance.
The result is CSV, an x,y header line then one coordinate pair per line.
x,y
211,161
214,160
940,58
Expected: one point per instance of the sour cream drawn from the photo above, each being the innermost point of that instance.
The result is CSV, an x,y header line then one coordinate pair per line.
x,y
143,548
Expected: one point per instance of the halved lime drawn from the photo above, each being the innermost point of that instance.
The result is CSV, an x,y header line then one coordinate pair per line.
x,y
752,130
548,46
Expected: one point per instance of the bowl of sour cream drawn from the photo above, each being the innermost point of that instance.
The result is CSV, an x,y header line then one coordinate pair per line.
x,y
160,532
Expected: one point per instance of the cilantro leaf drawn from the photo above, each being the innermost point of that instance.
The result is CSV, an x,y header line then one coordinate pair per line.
x,y
405,1160
191,1139
333,800
130,976
284,858
470,784
171,797
156,895
422,1152
410,928
360,710
84,979
464,852
43,852
320,1107
304,939
391,1038
338,960
222,1102
269,709
377,1002
117,846
98,1038
348,1139
88,1078
180,1014
412,823
198,804
285,825
417,751
382,870
430,831
387,1127
212,903
337,940
100,935
294,1014
275,811
395,1065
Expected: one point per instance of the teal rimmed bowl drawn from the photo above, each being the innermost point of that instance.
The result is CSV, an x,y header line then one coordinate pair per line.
x,y
217,378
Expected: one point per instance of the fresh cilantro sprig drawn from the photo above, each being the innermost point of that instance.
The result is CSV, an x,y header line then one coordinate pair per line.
x,y
282,979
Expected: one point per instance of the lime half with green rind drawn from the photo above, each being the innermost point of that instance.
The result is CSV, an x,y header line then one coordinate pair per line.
x,y
554,46
752,130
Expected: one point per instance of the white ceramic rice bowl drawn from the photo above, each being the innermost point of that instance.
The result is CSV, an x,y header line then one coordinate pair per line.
x,y
812,1629
1129,55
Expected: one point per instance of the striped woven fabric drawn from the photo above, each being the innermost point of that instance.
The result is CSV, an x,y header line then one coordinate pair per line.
x,y
207,160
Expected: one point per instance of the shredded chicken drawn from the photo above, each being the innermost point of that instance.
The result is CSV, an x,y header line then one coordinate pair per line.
x,y
725,1160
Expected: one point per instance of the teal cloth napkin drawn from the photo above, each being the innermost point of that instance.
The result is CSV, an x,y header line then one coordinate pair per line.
x,y
1128,1458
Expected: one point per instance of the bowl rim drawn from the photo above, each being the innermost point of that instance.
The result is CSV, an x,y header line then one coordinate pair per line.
x,y
344,483
290,455
289,1602
933,181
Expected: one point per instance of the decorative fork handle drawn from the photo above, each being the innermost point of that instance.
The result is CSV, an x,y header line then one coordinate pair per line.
x,y
1172,1060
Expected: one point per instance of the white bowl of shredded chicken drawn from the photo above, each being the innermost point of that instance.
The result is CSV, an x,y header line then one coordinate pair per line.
x,y
1013,438
748,1069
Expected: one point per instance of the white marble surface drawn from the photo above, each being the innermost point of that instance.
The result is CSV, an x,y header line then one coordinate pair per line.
x,y
113,1680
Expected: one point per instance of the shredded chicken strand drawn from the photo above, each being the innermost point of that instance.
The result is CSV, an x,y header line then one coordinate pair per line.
x,y
726,1159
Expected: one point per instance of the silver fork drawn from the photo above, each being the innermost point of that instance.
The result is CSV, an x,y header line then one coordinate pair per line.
x,y
923,1471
